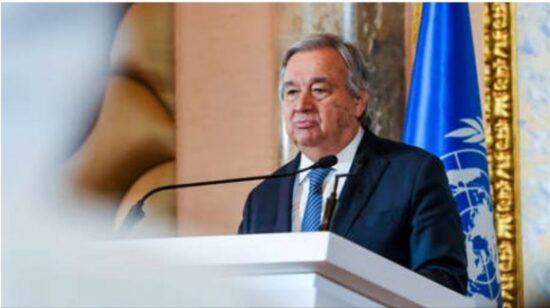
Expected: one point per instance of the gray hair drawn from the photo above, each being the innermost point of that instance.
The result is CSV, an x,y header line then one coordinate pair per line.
x,y
357,71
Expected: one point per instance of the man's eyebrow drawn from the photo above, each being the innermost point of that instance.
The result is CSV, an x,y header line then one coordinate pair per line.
x,y
289,83
314,80
320,80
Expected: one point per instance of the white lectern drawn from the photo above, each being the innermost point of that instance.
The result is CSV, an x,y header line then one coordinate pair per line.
x,y
286,269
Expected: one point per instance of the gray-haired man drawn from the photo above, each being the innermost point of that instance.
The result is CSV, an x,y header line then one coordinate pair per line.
x,y
395,203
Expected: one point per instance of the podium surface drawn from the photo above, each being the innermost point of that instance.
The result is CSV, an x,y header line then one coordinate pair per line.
x,y
285,269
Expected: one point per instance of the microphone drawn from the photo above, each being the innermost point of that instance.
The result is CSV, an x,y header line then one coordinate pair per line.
x,y
136,213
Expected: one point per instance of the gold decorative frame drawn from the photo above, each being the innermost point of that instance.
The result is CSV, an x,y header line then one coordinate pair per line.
x,y
501,118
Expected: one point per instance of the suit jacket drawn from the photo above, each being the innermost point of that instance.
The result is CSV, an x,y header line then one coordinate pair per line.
x,y
396,203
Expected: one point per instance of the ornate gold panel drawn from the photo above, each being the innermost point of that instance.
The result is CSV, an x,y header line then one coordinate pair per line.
x,y
501,116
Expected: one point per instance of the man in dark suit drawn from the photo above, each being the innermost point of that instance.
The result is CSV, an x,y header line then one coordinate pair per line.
x,y
396,201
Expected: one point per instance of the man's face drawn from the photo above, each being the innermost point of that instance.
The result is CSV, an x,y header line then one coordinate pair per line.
x,y
321,116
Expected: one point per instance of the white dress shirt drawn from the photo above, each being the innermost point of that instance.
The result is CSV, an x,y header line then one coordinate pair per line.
x,y
301,185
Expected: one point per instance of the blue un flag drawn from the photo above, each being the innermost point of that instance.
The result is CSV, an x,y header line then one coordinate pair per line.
x,y
444,118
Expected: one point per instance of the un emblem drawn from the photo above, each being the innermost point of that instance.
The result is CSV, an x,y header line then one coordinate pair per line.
x,y
469,182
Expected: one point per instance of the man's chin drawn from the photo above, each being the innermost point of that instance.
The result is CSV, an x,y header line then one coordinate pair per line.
x,y
306,138
305,142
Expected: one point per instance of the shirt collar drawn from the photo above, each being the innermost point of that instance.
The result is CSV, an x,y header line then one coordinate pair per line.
x,y
345,157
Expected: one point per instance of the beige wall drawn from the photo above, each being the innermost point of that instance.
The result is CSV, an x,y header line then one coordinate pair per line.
x,y
226,108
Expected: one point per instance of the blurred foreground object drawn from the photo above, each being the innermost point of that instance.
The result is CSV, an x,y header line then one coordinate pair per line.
x,y
131,147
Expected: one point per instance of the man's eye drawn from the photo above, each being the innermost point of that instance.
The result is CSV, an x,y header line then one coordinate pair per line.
x,y
319,92
291,93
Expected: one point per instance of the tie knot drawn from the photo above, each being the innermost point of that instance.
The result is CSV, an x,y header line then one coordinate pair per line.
x,y
316,177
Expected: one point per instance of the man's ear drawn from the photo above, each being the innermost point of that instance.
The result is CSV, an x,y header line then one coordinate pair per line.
x,y
361,102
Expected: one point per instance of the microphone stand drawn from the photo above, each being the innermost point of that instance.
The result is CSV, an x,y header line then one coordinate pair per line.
x,y
332,201
331,204
136,213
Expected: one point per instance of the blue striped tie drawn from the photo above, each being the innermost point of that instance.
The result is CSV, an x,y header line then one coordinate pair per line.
x,y
314,205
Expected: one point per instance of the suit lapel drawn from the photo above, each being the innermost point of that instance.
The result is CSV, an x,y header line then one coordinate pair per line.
x,y
283,222
366,171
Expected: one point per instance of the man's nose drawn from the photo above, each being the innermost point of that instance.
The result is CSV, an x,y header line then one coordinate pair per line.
x,y
304,102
